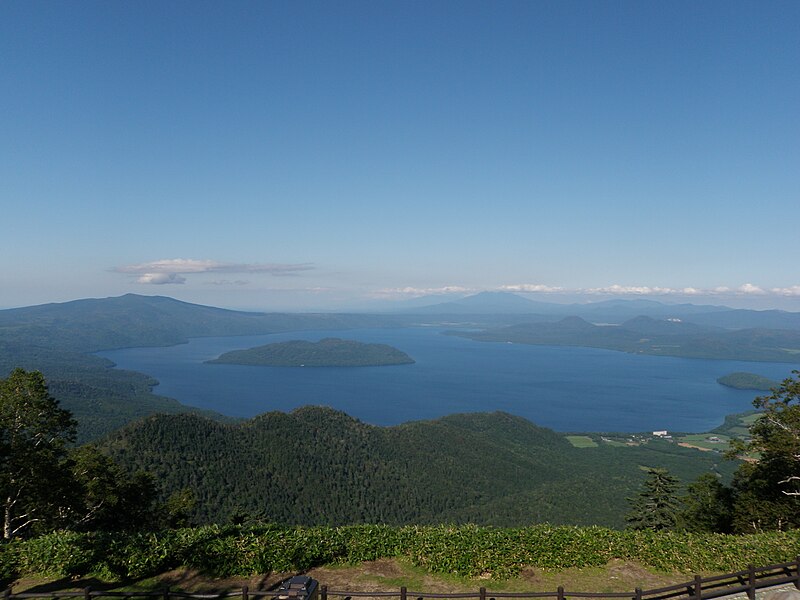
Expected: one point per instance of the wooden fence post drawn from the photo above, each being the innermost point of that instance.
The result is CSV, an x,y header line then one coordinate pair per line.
x,y
560,592
797,572
324,593
166,593
698,586
7,593
87,593
403,593
245,592
751,582
638,593
482,593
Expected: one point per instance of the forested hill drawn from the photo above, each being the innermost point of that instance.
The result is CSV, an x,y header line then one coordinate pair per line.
x,y
328,352
320,466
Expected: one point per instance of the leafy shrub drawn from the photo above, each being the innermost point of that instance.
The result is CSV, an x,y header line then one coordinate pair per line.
x,y
465,550
62,553
9,569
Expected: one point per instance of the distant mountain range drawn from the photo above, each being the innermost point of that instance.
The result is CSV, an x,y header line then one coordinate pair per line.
x,y
607,311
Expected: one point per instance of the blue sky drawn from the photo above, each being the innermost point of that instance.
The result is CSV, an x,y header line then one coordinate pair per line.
x,y
277,155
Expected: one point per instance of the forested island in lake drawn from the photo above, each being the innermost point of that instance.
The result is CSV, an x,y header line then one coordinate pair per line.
x,y
328,352
748,381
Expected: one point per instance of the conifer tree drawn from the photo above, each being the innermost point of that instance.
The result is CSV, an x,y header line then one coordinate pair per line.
x,y
656,505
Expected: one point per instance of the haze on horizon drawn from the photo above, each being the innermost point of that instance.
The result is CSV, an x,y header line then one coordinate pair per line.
x,y
309,155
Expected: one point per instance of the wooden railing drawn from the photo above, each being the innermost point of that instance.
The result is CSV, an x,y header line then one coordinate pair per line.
x,y
747,582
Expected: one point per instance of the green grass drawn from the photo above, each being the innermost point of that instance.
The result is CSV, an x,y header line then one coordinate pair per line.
x,y
615,443
581,441
748,420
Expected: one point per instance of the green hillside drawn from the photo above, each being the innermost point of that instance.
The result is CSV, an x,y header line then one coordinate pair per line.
x,y
320,466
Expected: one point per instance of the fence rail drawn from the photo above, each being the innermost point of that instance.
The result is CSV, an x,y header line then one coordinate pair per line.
x,y
747,582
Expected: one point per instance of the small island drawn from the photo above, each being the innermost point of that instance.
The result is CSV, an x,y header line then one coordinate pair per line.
x,y
328,352
748,381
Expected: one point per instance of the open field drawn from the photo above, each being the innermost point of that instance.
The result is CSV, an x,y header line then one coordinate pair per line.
x,y
581,441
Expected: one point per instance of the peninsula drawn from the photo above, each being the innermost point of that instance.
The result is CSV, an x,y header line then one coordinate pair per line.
x,y
748,381
328,352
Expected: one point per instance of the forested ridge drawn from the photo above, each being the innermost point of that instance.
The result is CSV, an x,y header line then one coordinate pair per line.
x,y
320,466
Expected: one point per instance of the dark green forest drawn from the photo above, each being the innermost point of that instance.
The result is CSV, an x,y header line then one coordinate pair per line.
x,y
320,466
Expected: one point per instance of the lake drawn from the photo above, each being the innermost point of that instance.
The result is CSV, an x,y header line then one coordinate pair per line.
x,y
565,388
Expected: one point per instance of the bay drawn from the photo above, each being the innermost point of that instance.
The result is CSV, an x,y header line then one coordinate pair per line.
x,y
564,388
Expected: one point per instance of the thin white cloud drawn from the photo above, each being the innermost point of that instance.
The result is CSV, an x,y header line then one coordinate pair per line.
x,y
171,270
160,278
749,288
793,290
228,282
537,288
630,290
415,292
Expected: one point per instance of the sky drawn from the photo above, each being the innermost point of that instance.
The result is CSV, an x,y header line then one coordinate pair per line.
x,y
295,155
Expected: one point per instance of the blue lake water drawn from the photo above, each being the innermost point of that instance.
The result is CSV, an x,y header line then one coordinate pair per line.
x,y
565,388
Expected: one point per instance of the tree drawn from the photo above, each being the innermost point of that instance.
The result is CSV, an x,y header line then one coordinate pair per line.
x,y
706,506
106,497
178,508
776,435
34,433
656,505
768,490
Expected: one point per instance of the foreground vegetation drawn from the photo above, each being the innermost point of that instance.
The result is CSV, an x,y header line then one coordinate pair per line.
x,y
466,551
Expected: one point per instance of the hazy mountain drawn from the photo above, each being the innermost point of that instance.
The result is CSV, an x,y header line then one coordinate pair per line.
x,y
645,335
744,318
131,320
489,303
615,310
618,310
651,326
